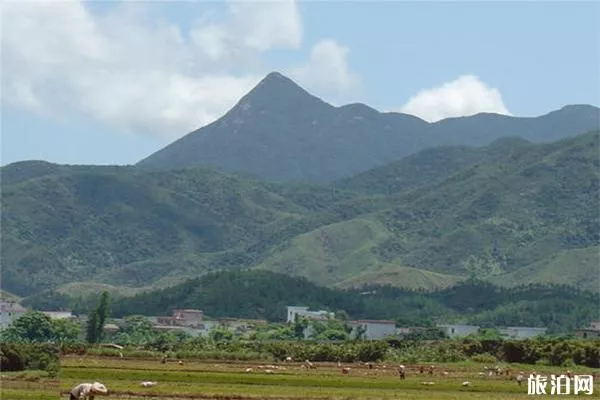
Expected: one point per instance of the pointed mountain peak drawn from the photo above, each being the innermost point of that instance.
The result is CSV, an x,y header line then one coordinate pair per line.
x,y
276,83
277,92
276,76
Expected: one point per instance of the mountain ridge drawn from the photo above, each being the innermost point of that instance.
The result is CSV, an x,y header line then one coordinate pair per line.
x,y
280,132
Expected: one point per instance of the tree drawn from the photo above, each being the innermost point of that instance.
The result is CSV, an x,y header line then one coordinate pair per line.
x,y
92,328
137,330
220,334
97,318
102,312
488,334
32,326
300,326
342,316
360,332
66,330
333,334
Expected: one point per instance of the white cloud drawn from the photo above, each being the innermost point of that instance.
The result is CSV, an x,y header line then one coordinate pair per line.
x,y
130,69
251,27
467,95
327,70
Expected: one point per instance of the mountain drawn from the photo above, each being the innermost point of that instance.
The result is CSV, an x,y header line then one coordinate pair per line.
x,y
508,211
427,167
280,132
494,211
127,228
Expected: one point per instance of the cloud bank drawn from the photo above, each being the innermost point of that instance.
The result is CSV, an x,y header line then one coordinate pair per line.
x,y
467,95
136,72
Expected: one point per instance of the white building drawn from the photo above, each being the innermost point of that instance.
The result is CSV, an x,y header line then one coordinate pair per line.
x,y
592,331
59,314
521,332
190,318
302,312
459,330
9,312
375,329
403,330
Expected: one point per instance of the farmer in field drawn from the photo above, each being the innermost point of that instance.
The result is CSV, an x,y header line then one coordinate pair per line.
x,y
87,391
401,372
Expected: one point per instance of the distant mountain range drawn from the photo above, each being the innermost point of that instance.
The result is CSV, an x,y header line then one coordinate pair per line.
x,y
280,132
509,212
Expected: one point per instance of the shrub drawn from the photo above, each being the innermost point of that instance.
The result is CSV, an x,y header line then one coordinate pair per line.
x,y
11,357
21,356
73,348
485,358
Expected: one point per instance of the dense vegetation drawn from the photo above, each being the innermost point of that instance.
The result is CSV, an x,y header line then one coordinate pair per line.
x,y
32,356
511,212
261,294
33,341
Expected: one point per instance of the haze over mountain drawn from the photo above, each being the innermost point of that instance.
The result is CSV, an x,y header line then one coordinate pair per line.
x,y
280,132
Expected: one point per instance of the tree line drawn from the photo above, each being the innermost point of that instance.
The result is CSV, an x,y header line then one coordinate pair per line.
x,y
265,295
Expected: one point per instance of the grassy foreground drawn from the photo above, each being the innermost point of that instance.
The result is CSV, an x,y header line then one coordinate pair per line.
x,y
229,380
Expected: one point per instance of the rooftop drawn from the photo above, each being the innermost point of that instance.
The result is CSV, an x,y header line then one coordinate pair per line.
x,y
375,321
11,307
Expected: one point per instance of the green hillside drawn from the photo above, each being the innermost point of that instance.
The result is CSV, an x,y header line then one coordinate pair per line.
x,y
403,277
427,167
501,215
519,205
130,228
579,267
6,296
511,212
330,254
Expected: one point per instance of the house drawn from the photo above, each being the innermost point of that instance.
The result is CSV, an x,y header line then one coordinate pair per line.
x,y
168,320
375,329
241,325
10,311
521,332
302,312
111,328
59,314
181,317
404,331
592,331
188,317
452,330
194,332
190,321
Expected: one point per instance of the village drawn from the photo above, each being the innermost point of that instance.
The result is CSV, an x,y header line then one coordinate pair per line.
x,y
194,323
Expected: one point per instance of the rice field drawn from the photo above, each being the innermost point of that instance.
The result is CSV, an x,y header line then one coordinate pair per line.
x,y
290,381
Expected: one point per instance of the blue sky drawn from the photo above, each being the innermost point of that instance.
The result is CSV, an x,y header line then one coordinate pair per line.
x,y
110,82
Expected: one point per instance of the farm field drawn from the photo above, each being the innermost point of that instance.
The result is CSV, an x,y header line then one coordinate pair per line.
x,y
229,380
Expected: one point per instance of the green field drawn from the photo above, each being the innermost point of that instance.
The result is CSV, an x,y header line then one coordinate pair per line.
x,y
229,380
